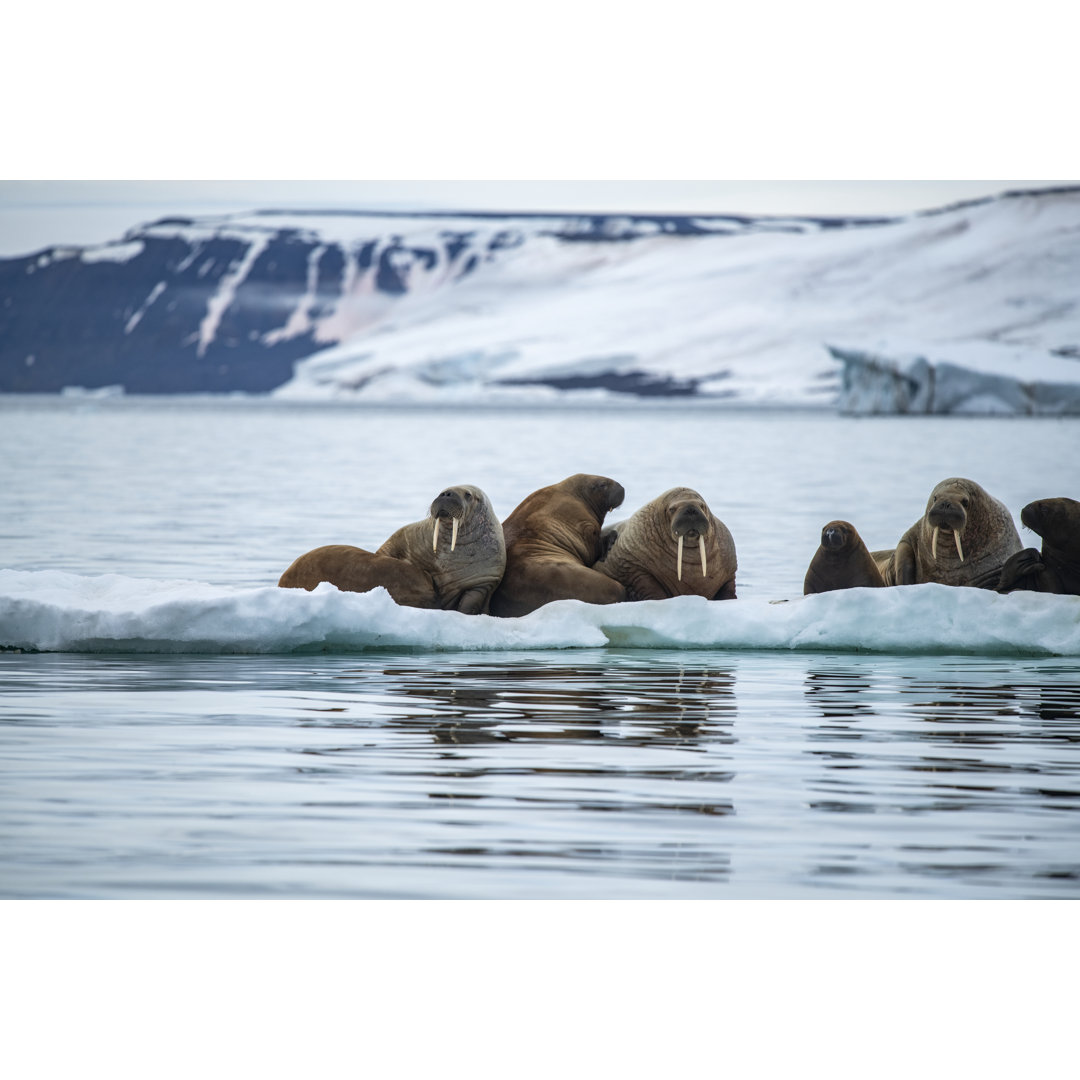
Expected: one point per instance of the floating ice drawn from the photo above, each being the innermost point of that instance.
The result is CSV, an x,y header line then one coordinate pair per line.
x,y
979,378
61,612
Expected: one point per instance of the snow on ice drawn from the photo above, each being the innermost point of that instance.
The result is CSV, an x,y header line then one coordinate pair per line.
x,y
61,612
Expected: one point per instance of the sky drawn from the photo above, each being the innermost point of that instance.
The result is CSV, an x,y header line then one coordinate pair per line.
x,y
41,213
771,108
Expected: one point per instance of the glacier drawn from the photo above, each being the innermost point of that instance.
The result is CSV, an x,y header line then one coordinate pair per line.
x,y
57,611
452,307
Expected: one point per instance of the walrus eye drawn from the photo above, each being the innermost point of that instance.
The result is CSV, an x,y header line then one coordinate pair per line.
x,y
468,496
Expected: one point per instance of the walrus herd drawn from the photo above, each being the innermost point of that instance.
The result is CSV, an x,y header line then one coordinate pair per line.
x,y
964,537
555,546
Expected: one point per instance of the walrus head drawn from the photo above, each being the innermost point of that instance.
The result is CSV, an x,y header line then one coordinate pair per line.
x,y
688,518
600,493
451,505
837,535
948,509
1057,521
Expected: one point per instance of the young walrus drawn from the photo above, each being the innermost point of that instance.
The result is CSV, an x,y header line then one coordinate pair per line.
x,y
672,546
552,541
964,538
453,559
842,562
1055,569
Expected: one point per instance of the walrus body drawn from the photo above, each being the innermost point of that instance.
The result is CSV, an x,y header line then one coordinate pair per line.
x,y
1055,569
843,562
454,559
552,541
672,546
964,538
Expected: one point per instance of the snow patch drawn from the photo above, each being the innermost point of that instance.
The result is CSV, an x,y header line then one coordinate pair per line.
x,y
230,282
300,321
135,319
113,252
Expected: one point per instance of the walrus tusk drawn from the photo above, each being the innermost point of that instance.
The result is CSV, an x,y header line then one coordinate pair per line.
x,y
933,545
704,560
678,561
435,536
453,535
959,546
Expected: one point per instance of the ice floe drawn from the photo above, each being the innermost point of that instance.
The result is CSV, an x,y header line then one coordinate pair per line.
x,y
62,612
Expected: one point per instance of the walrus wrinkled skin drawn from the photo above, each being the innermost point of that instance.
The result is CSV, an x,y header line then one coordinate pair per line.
x,y
672,546
842,561
552,541
453,559
1055,569
964,538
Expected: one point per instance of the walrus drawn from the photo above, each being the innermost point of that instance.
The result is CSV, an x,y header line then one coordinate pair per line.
x,y
453,559
552,541
1055,569
843,561
672,546
964,538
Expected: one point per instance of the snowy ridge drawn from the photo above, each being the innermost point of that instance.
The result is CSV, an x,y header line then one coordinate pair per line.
x,y
62,612
379,307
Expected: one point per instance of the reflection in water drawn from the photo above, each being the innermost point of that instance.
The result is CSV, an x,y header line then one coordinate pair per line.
x,y
837,693
961,740
471,704
584,773
617,747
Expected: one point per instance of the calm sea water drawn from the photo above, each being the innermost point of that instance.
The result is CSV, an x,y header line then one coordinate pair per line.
x,y
568,773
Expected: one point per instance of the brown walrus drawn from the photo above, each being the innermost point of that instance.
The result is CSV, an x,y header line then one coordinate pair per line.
x,y
451,560
672,546
963,538
843,562
1055,569
552,541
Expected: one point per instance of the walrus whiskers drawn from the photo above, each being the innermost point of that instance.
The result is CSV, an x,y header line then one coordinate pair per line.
x,y
453,535
678,561
933,545
959,546
435,536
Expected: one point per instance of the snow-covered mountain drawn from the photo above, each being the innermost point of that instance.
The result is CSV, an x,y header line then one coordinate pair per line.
x,y
440,306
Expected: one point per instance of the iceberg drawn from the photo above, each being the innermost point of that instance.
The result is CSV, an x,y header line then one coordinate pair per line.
x,y
960,378
55,611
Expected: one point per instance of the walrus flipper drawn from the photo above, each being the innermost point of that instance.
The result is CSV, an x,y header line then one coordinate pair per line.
x,y
352,569
726,591
608,535
473,601
567,582
904,564
988,579
1021,571
643,586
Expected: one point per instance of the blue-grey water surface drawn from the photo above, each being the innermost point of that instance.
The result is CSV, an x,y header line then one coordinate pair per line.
x,y
562,773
